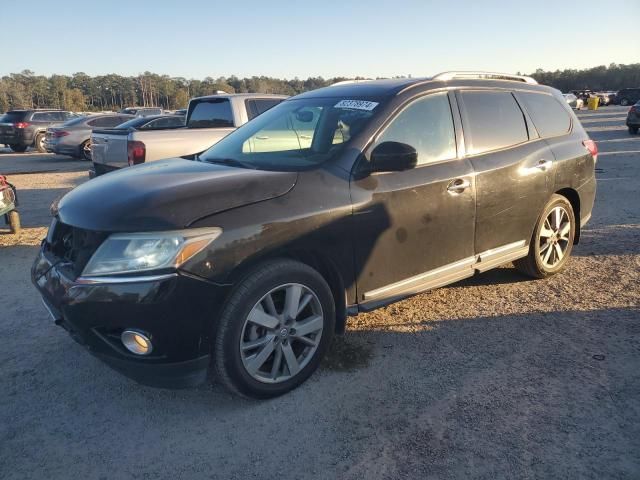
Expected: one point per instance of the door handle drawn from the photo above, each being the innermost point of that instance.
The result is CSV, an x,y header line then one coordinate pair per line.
x,y
262,137
543,164
458,185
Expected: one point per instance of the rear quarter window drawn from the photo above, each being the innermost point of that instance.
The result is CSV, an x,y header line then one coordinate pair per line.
x,y
491,121
210,113
549,116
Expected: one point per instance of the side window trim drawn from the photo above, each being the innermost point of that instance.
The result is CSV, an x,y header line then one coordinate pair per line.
x,y
401,108
532,131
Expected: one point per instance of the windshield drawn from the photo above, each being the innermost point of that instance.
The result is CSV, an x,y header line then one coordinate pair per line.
x,y
294,135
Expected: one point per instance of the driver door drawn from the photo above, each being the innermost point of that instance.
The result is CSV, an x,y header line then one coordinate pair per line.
x,y
414,229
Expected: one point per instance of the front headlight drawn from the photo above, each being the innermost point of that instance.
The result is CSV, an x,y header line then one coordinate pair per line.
x,y
139,252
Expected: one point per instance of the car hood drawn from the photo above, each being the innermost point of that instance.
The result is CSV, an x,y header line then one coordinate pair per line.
x,y
166,195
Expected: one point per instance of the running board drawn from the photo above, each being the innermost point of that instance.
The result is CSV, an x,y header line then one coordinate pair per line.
x,y
450,273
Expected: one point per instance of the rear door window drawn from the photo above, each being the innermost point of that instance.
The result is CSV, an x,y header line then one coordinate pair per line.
x,y
426,125
211,113
491,120
43,117
549,116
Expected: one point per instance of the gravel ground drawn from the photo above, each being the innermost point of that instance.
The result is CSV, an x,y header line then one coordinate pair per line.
x,y
498,376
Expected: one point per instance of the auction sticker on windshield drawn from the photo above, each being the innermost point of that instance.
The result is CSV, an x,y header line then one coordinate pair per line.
x,y
356,104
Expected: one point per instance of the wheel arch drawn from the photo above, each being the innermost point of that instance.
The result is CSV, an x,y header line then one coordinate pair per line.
x,y
574,199
314,259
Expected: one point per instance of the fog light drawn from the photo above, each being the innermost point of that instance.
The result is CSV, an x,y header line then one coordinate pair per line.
x,y
136,342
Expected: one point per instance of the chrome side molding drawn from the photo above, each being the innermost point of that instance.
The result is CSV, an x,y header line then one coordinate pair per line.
x,y
451,272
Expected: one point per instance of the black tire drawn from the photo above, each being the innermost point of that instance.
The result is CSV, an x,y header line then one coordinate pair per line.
x,y
624,102
38,143
85,151
633,130
533,265
18,148
227,360
14,221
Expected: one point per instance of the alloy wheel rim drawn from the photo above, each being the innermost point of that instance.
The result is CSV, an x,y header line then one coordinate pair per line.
x,y
86,149
282,333
554,240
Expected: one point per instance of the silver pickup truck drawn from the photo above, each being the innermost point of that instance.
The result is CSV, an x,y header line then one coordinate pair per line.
x,y
208,120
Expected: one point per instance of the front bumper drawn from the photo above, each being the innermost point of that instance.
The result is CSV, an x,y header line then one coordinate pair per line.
x,y
175,310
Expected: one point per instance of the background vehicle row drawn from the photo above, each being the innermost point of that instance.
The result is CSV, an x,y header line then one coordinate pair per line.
x,y
208,120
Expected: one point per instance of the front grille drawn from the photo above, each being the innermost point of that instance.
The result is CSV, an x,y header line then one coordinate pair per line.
x,y
73,246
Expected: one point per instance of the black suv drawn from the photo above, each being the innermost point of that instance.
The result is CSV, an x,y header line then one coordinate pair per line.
x,y
334,202
21,129
627,96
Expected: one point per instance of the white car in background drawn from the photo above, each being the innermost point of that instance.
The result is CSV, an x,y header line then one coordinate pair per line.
x,y
573,101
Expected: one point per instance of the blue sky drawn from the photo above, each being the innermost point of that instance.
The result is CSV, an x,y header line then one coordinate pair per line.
x,y
195,39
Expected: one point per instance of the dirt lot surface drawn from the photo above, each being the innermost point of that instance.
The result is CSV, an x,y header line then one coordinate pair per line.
x,y
495,377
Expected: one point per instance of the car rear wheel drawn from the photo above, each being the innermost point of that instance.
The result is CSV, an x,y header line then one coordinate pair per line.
x,y
274,330
552,240
633,130
18,148
39,143
624,102
85,151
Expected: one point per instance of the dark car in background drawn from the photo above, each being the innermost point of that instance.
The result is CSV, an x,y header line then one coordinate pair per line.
x,y
627,96
142,111
247,261
73,137
633,118
21,129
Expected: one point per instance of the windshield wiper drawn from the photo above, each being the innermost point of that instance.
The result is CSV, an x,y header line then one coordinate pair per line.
x,y
232,162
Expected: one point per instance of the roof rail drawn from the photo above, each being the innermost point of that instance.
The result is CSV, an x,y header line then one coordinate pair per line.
x,y
346,82
444,76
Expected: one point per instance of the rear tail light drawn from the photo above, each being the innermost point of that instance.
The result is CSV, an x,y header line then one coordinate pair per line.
x,y
60,133
592,147
135,152
632,109
21,124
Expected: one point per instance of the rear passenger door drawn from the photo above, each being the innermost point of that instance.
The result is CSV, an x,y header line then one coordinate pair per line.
x,y
513,170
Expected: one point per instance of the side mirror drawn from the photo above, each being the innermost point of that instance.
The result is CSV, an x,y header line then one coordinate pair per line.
x,y
393,157
304,116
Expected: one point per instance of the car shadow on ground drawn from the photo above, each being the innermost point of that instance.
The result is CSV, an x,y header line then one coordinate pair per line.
x,y
564,377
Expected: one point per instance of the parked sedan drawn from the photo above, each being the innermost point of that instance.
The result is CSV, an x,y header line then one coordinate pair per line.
x,y
74,137
633,119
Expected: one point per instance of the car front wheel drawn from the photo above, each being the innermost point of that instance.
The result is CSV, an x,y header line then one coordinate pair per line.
x,y
624,102
633,130
274,329
552,240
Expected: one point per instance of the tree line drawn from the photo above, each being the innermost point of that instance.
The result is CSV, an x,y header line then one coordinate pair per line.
x,y
82,92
